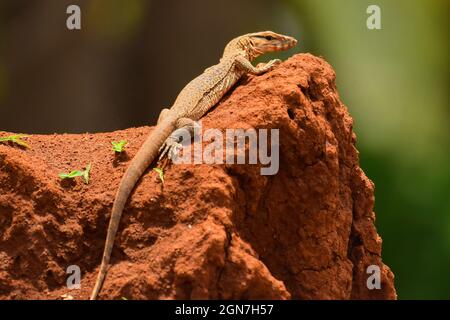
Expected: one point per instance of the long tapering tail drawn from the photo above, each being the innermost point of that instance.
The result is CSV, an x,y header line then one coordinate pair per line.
x,y
144,157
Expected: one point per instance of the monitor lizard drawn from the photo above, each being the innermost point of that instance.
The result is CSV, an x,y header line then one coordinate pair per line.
x,y
194,101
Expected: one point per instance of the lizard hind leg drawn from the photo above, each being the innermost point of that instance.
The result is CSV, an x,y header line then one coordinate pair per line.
x,y
185,131
163,114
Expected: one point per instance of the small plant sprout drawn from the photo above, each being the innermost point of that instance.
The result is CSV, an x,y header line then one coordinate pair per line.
x,y
15,138
77,173
160,172
119,146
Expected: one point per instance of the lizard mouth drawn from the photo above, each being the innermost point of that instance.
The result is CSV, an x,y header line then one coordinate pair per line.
x,y
282,45
289,43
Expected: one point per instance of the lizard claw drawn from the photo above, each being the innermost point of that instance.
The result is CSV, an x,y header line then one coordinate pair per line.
x,y
273,63
171,147
269,65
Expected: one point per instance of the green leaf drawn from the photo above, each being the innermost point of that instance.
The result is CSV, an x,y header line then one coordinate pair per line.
x,y
71,175
86,173
77,173
119,146
16,138
160,172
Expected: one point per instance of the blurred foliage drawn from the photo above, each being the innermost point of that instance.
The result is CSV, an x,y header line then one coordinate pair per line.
x,y
113,19
3,81
395,82
3,76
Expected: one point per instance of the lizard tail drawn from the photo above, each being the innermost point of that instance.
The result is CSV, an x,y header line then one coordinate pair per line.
x,y
144,157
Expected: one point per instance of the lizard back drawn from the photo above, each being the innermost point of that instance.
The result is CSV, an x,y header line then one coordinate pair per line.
x,y
206,90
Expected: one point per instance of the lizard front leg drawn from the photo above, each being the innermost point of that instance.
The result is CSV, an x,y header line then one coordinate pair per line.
x,y
247,66
185,127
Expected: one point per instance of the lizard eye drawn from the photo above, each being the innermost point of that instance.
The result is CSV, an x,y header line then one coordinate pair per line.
x,y
269,38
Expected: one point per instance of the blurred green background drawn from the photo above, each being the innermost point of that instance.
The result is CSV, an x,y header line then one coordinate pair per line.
x,y
132,57
395,82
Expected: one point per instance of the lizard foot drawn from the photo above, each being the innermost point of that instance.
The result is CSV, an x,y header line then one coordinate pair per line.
x,y
271,64
170,147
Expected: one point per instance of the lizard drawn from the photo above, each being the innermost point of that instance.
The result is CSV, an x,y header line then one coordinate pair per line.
x,y
193,102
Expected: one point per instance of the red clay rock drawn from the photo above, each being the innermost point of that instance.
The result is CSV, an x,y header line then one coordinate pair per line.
x,y
212,231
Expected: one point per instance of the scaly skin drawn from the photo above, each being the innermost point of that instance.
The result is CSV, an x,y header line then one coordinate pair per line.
x,y
199,96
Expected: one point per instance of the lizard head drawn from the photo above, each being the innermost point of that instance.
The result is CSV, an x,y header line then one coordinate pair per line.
x,y
258,43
